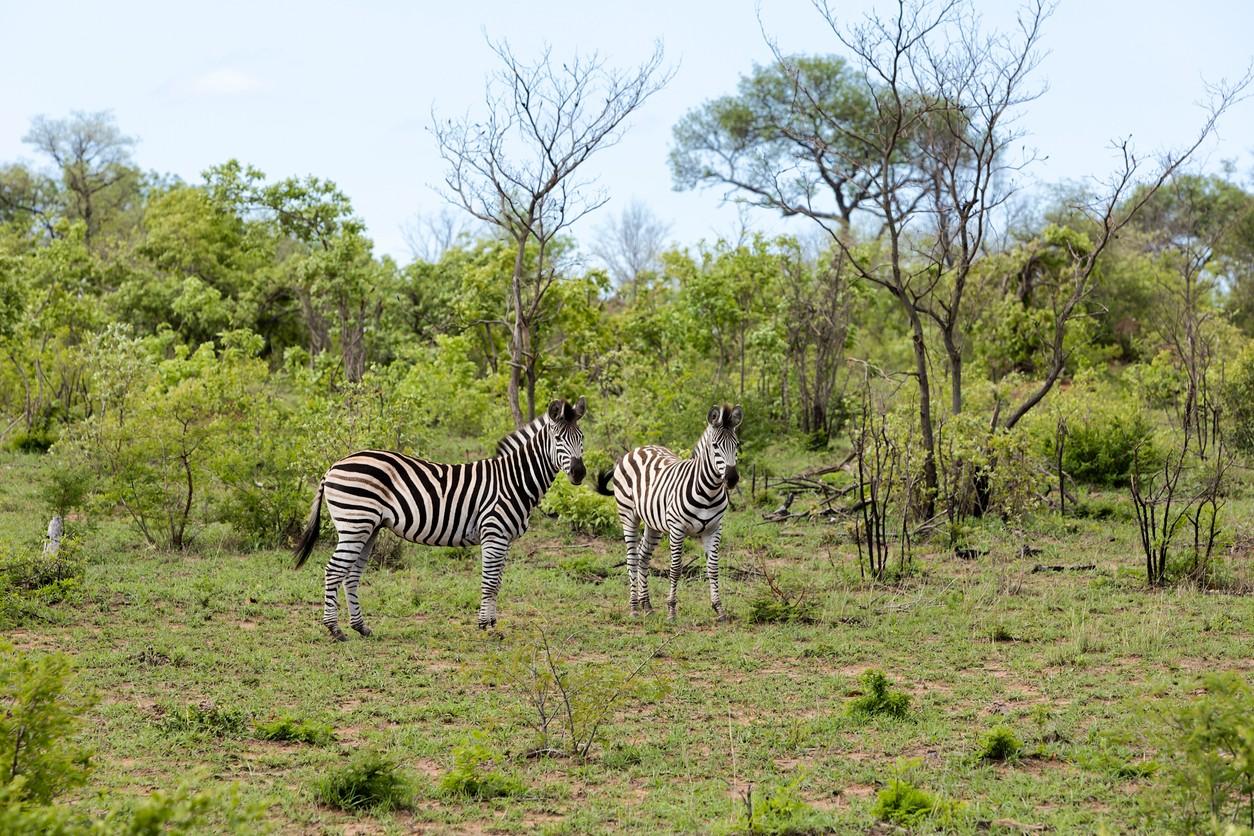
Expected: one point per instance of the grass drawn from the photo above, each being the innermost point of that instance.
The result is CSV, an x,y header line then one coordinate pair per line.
x,y
744,703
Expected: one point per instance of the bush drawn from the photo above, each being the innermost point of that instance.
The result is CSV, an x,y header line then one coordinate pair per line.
x,y
769,608
32,570
903,803
878,698
1238,400
1000,744
287,728
580,508
1207,762
206,720
473,775
369,782
39,717
1100,444
780,811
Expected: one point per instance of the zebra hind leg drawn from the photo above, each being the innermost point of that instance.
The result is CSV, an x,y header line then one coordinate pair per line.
x,y
631,535
338,567
648,542
355,618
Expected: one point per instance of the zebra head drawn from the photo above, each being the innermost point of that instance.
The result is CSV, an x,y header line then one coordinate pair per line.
x,y
566,439
721,443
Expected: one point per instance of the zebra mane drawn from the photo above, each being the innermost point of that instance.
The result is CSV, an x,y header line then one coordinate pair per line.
x,y
519,437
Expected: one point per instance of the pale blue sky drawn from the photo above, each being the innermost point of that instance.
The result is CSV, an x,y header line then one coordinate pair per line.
x,y
345,91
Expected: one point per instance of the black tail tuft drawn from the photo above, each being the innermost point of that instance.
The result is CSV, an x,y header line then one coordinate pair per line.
x,y
310,535
605,479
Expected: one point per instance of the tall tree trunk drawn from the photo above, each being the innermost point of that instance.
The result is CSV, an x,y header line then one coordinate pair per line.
x,y
930,481
954,352
516,348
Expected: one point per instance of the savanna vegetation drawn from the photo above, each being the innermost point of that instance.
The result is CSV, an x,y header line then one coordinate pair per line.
x,y
990,562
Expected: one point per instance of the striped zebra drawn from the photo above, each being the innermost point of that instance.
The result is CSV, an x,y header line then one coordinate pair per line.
x,y
486,502
664,494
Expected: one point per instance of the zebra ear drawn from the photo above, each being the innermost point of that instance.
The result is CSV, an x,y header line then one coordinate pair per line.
x,y
716,415
737,415
555,410
581,406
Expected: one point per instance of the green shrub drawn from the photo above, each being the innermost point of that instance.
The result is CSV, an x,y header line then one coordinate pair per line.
x,y
288,728
473,775
779,811
878,698
206,720
1101,444
585,567
31,570
1238,400
903,803
370,781
581,508
39,717
1000,743
767,607
1207,758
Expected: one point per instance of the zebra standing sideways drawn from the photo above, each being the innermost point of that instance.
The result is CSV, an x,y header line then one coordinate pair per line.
x,y
486,502
664,494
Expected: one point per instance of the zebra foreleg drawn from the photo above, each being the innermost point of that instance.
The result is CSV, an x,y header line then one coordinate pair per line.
x,y
676,538
648,542
711,542
355,618
494,551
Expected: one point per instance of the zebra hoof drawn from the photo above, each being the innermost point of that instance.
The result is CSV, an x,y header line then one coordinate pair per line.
x,y
487,624
337,634
363,629
723,618
670,616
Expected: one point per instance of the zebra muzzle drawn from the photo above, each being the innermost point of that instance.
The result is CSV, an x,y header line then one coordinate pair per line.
x,y
731,477
577,471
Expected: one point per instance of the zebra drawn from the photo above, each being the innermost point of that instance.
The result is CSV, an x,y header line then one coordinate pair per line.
x,y
485,502
677,497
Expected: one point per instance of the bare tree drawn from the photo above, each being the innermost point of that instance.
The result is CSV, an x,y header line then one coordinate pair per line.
x,y
817,300
1126,194
630,245
92,155
516,169
430,235
932,158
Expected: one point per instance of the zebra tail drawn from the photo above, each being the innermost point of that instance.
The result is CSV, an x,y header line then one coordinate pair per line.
x,y
312,529
605,482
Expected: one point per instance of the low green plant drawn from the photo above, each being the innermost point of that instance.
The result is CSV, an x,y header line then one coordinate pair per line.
x,y
878,698
1000,744
292,729
585,567
1102,442
584,511
901,802
1207,755
206,720
768,608
39,719
370,781
779,811
474,775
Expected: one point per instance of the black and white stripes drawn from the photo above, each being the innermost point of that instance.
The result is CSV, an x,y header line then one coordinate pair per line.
x,y
659,493
487,502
